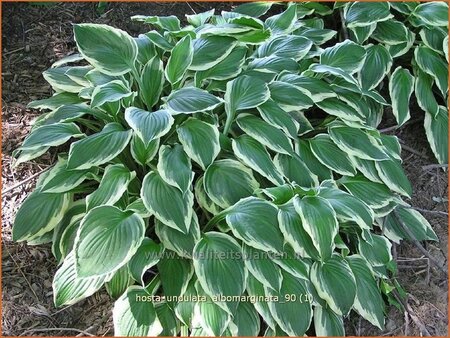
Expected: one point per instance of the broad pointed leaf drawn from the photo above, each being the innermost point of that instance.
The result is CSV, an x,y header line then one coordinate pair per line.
x,y
108,237
200,141
335,282
319,221
98,148
110,50
255,222
114,183
167,203
148,126
217,182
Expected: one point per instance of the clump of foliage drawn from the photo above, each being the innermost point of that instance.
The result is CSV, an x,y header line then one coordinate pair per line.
x,y
228,177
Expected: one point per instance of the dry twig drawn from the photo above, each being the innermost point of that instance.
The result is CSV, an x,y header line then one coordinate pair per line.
x,y
57,329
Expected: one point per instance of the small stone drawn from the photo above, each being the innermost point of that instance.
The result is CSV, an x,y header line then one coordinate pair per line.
x,y
27,48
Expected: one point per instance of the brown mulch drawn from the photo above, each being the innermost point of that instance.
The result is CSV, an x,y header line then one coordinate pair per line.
x,y
36,36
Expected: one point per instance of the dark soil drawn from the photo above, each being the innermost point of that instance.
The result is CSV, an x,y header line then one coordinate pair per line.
x,y
36,36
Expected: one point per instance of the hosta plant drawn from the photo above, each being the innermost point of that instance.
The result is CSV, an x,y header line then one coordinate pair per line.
x,y
227,177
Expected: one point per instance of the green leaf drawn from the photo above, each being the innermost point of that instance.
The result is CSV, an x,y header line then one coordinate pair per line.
x,y
317,35
331,156
217,182
244,92
256,289
348,207
68,288
254,154
294,233
147,255
73,215
175,167
146,48
272,113
416,223
368,301
445,47
51,135
312,163
436,130
67,113
110,50
283,22
401,86
339,108
56,101
294,316
167,319
273,64
39,214
148,126
246,321
391,33
255,9
289,97
109,92
189,100
119,283
210,318
335,282
171,265
200,141
260,265
424,93
318,89
98,148
376,249
159,40
295,170
108,237
60,180
142,154
319,221
360,14
169,23
114,183
167,203
374,194
184,310
265,133
433,38
248,217
226,69
179,61
392,174
152,81
203,199
432,14
377,64
327,322
210,50
60,82
356,142
433,64
347,56
361,34
138,207
219,267
333,71
182,244
199,19
134,315
294,47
